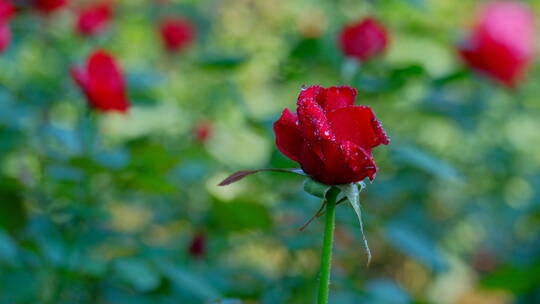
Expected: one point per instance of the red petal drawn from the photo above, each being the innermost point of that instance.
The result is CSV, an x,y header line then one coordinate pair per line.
x,y
289,139
314,125
359,161
358,125
311,92
313,121
334,98
342,164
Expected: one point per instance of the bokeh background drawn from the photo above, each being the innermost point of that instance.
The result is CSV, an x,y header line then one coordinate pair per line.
x,y
124,208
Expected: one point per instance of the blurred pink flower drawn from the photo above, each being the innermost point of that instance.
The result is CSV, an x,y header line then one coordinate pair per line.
x,y
501,44
5,36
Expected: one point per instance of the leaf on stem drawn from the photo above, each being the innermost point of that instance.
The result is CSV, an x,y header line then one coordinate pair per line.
x,y
233,178
315,188
352,192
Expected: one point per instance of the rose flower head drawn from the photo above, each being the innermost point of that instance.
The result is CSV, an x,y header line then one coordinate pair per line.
x,y
363,40
176,34
102,82
501,43
330,137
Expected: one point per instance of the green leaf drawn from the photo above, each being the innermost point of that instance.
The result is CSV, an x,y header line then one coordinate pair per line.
x,y
518,280
352,193
427,162
12,212
8,248
315,188
138,274
189,282
241,215
415,244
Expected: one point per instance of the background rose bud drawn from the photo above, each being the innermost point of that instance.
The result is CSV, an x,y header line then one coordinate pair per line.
x,y
6,10
5,36
49,6
329,136
176,34
364,39
501,44
102,82
197,245
202,131
94,19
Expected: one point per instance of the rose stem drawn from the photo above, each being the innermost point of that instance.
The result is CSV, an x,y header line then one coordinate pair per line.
x,y
326,257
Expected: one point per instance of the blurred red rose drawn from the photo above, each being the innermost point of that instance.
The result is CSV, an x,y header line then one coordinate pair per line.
x,y
5,36
94,19
102,82
501,43
6,10
49,6
197,245
329,136
364,39
202,131
176,34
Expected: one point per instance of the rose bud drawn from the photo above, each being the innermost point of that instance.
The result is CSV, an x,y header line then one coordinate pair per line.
x,y
197,245
94,19
176,34
329,136
501,43
202,131
102,82
363,40
6,10
49,6
5,36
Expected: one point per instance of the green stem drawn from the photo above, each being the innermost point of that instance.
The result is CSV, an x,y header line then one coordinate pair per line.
x,y
326,257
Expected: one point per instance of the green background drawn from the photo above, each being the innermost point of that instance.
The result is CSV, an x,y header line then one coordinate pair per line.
x,y
101,208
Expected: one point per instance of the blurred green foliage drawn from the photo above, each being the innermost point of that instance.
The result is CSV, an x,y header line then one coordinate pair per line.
x,y
102,208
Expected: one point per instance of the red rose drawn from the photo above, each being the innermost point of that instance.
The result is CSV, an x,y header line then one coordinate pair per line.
x,y
5,36
6,10
501,43
202,131
363,40
94,19
176,34
49,6
330,137
102,82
